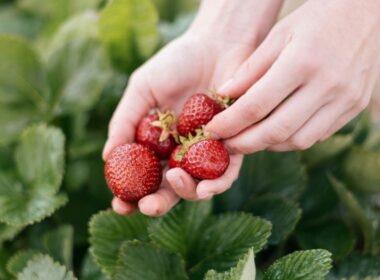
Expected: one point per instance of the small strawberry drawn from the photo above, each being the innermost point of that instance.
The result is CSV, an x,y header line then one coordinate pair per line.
x,y
202,157
173,162
133,171
198,110
156,131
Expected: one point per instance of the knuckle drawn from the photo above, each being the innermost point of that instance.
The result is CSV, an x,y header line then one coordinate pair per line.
x,y
305,63
238,148
334,82
279,134
362,104
354,98
300,143
252,112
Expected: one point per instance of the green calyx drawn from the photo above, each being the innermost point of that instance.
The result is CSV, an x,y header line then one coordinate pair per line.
x,y
190,140
166,121
224,101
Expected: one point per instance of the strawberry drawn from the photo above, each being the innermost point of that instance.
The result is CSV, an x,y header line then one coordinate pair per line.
x,y
203,157
133,171
198,110
173,162
156,132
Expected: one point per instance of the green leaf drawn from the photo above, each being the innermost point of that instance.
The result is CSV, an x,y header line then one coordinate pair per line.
x,y
59,9
180,229
356,213
263,173
171,30
361,167
8,232
58,243
90,271
170,10
82,25
244,270
128,30
326,150
18,261
319,197
359,266
4,256
108,231
24,93
77,174
21,206
138,260
333,236
283,214
14,21
301,265
78,68
43,267
40,158
224,239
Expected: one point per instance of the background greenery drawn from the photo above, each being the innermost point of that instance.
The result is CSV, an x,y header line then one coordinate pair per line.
x,y
63,66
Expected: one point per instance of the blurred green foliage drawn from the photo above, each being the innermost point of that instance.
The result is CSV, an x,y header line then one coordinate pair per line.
x,y
63,67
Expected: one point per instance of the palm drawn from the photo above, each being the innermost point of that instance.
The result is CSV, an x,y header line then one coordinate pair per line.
x,y
190,65
184,67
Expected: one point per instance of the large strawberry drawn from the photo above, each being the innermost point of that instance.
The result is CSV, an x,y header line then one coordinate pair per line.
x,y
156,131
198,110
133,171
202,157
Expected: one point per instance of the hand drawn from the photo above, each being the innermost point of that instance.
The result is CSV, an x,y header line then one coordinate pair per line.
x,y
313,73
187,65
205,56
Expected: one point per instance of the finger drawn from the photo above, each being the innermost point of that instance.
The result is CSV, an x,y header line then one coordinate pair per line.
x,y
158,203
313,130
254,67
290,116
344,119
278,83
121,207
208,188
182,183
135,103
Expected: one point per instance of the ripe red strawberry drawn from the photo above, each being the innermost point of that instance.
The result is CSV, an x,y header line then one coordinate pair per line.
x,y
203,158
133,171
156,132
198,110
173,162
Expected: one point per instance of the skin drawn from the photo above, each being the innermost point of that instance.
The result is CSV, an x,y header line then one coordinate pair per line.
x,y
312,74
192,63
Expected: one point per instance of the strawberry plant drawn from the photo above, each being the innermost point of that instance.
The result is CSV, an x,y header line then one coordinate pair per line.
x,y
63,67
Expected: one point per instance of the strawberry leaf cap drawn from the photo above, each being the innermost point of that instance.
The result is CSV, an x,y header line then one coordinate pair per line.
x,y
166,121
224,101
191,140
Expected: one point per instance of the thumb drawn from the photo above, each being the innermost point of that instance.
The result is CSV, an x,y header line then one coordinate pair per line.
x,y
135,104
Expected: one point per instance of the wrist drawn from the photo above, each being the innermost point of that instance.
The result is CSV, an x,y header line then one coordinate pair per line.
x,y
235,21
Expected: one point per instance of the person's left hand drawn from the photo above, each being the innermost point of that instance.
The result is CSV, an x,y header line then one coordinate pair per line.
x,y
313,73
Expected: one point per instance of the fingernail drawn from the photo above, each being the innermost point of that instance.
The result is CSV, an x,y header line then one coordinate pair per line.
x,y
225,87
179,183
